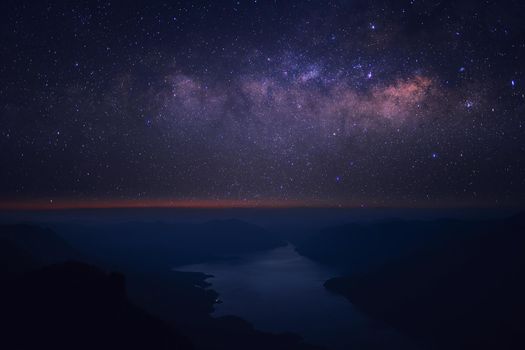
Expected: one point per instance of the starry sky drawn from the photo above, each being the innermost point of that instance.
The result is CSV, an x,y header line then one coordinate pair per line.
x,y
358,103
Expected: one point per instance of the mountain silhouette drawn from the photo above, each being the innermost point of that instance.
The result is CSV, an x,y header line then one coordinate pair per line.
x,y
461,293
50,301
77,306
43,244
158,245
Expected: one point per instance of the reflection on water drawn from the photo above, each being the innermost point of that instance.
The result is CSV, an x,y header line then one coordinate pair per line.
x,y
281,291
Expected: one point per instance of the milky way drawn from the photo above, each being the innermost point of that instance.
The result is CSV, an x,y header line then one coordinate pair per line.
x,y
342,102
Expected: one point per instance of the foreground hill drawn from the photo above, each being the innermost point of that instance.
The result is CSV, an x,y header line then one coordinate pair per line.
x,y
78,306
49,301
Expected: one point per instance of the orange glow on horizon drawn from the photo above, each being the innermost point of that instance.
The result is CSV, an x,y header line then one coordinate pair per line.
x,y
162,203
64,204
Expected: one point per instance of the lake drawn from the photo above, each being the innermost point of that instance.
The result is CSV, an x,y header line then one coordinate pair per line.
x,y
281,291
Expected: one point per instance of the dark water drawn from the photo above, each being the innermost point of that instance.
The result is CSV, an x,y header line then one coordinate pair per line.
x,y
281,291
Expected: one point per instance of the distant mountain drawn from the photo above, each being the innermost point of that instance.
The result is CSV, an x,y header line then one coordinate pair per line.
x,y
361,247
465,292
13,259
161,245
42,244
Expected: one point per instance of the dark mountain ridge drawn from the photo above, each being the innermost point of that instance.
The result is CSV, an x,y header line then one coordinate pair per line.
x,y
462,291
93,308
162,245
75,305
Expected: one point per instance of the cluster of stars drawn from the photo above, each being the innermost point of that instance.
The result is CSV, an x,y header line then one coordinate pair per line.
x,y
337,101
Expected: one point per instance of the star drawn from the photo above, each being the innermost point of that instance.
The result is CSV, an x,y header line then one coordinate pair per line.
x,y
186,100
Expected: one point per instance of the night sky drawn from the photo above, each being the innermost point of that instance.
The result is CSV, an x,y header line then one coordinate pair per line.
x,y
352,103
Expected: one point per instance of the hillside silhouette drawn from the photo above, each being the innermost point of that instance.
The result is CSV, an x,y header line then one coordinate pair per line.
x,y
50,301
77,306
463,290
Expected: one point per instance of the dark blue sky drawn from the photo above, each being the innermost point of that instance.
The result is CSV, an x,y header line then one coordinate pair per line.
x,y
360,102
